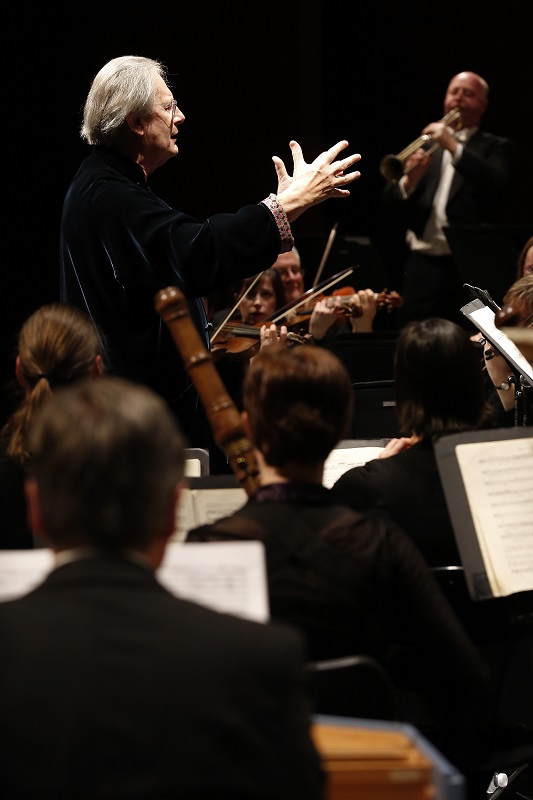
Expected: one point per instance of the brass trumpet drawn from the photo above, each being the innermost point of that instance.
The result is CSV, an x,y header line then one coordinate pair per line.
x,y
393,167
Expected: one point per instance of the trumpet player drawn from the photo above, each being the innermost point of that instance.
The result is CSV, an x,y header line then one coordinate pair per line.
x,y
458,174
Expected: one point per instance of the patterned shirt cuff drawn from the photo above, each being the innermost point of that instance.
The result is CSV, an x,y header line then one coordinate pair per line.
x,y
280,218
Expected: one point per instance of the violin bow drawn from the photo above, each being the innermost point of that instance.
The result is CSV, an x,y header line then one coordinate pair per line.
x,y
237,304
312,293
325,254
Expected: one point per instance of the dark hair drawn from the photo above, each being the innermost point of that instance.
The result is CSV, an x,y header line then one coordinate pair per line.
x,y
299,402
438,379
275,279
107,456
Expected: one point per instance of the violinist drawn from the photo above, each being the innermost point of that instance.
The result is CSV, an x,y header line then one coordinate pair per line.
x,y
256,302
355,313
289,267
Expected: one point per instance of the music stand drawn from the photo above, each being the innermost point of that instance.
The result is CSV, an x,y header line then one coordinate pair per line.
x,y
485,476
483,318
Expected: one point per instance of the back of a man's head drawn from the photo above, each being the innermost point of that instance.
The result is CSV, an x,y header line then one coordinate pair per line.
x,y
107,456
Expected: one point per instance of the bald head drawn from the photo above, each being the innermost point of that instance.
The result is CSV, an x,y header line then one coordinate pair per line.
x,y
468,92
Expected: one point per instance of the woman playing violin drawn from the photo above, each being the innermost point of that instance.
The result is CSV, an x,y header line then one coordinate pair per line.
x,y
253,306
261,302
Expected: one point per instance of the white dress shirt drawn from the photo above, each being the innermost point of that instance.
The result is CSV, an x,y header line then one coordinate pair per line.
x,y
433,241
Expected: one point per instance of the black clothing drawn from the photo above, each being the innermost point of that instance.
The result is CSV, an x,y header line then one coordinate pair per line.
x,y
432,286
409,488
121,244
111,687
354,583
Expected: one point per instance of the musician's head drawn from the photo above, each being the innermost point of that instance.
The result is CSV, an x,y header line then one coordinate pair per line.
x,y
57,345
438,379
297,404
289,266
470,93
263,299
518,302
107,459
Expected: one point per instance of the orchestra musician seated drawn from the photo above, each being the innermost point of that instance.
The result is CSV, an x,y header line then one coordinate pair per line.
x,y
352,581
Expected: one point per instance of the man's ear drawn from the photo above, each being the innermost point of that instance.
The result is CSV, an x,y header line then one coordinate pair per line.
x,y
135,124
33,508
97,368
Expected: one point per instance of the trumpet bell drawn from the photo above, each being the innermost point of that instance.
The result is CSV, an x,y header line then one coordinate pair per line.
x,y
391,168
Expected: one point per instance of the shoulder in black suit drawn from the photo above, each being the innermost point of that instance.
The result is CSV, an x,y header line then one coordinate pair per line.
x,y
113,688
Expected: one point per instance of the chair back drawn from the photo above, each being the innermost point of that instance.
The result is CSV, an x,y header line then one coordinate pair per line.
x,y
353,686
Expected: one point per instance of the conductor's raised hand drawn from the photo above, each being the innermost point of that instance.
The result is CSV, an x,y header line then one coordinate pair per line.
x,y
311,184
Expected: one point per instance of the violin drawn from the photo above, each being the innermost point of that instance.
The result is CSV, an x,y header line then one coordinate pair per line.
x,y
240,341
386,301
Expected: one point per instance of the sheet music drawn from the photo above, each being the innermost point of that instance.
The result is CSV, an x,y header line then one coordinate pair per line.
x,y
225,576
22,570
203,506
344,458
497,476
483,319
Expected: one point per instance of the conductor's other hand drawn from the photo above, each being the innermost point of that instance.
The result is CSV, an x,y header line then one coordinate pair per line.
x,y
311,184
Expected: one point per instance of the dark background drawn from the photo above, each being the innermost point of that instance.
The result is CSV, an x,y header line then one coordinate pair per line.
x,y
248,77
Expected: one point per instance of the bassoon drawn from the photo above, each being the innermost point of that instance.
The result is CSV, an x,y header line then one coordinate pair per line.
x,y
222,413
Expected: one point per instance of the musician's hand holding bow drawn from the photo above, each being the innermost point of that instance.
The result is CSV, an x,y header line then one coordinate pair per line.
x,y
311,184
324,315
366,301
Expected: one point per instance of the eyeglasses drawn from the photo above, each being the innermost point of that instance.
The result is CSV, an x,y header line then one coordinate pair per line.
x,y
170,108
284,271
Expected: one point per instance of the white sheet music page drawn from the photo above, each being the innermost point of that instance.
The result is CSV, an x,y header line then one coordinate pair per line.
x,y
483,319
22,570
342,459
204,506
497,477
226,576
